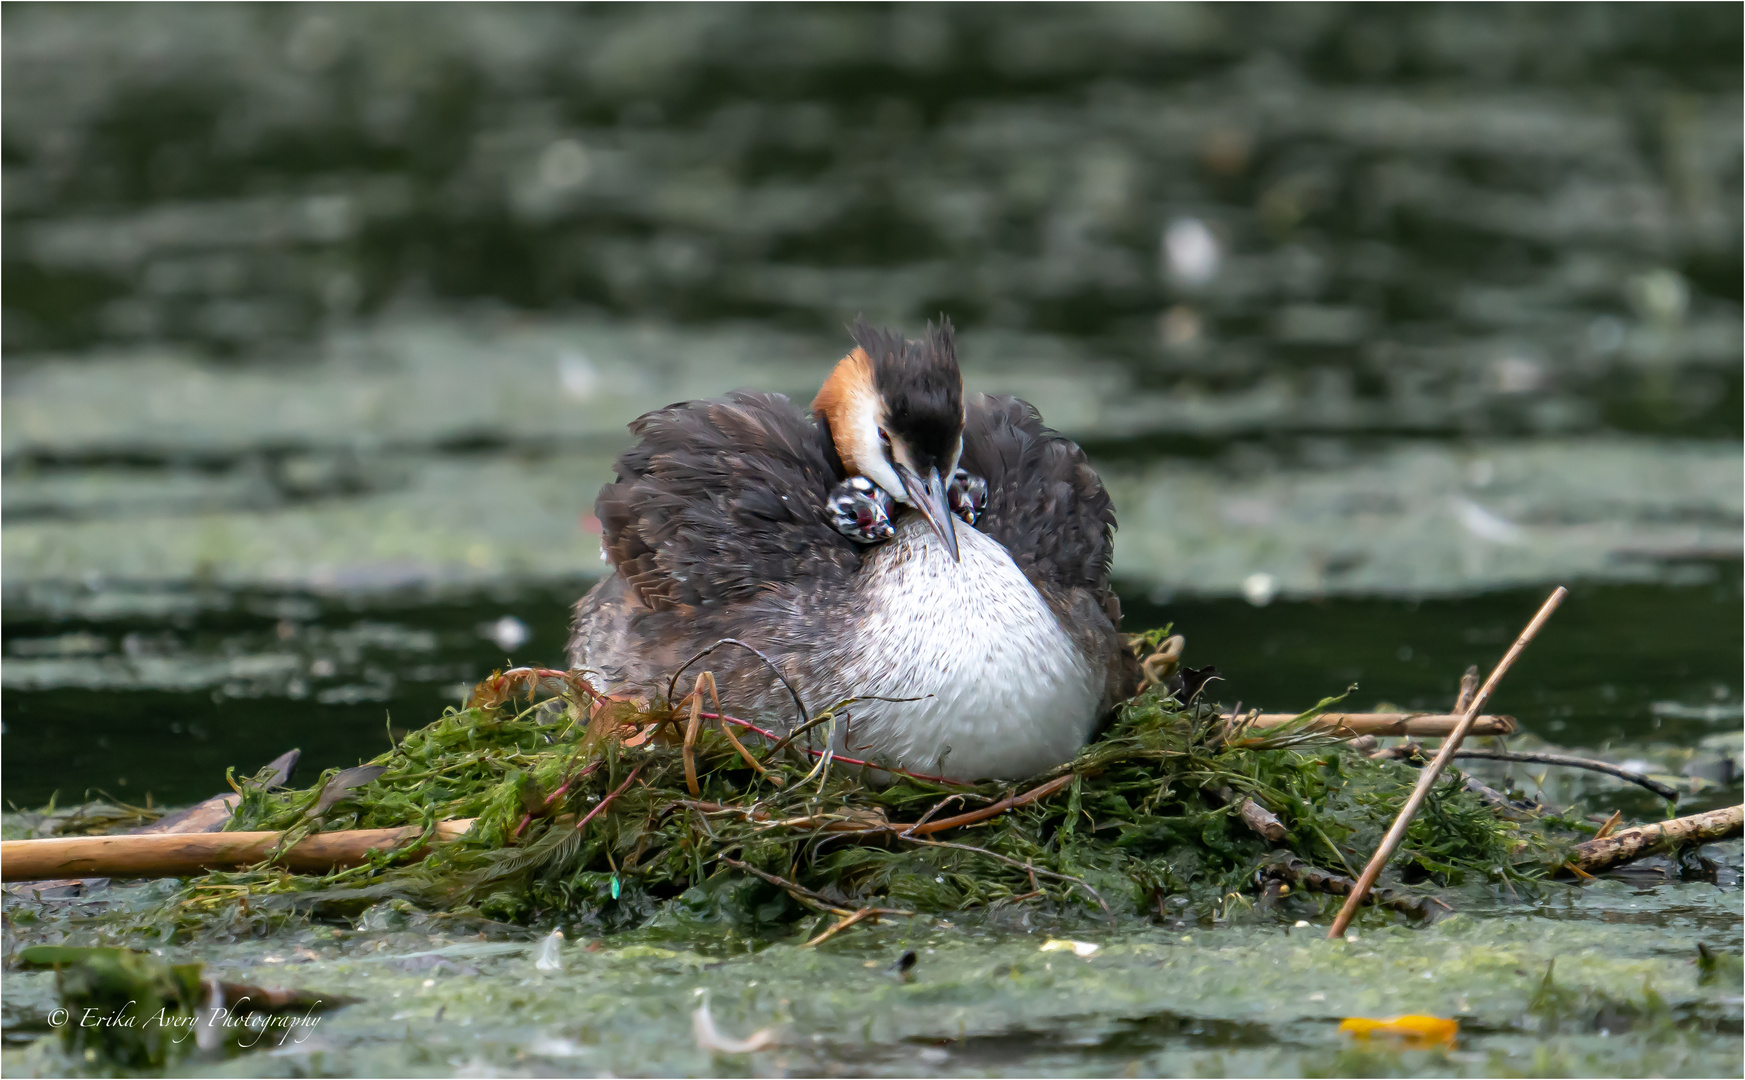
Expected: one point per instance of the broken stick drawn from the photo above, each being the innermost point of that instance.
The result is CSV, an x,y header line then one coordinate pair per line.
x,y
1627,845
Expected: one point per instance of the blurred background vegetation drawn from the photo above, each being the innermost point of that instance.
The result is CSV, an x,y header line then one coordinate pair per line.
x,y
322,323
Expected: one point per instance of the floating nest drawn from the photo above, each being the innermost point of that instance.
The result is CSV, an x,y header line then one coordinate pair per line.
x,y
603,813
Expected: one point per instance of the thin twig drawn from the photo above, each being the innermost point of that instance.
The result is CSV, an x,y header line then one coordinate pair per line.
x,y
839,926
1431,773
771,664
805,895
928,828
860,822
827,713
1662,790
907,831
772,736
1080,882
936,807
1312,878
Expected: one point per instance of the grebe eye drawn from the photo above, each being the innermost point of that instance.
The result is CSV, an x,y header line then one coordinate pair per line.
x,y
885,442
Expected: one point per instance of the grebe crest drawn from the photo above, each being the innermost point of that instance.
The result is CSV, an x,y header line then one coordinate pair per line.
x,y
894,412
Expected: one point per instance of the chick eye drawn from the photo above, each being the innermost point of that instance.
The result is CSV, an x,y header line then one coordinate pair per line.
x,y
885,442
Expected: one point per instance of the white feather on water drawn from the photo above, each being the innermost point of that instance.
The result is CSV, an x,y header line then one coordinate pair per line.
x,y
709,1037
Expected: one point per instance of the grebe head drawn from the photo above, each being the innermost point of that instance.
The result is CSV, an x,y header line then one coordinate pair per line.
x,y
895,413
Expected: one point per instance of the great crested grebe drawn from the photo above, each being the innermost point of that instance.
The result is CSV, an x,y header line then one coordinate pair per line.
x,y
944,559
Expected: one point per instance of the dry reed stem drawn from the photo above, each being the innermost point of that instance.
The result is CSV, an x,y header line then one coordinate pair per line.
x,y
181,854
727,730
1468,687
1429,775
691,729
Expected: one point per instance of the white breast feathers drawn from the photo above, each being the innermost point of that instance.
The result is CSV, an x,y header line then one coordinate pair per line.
x,y
1000,689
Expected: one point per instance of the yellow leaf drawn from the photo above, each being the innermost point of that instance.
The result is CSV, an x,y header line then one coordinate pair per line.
x,y
1412,1029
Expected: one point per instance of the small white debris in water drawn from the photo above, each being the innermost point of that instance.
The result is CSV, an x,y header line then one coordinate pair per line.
x,y
550,958
1077,948
508,633
563,166
1485,525
576,374
711,1039
547,1046
428,983
1191,254
1259,588
1302,923
1318,996
933,1055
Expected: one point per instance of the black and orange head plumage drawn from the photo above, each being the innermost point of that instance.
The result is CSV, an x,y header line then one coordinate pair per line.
x,y
894,409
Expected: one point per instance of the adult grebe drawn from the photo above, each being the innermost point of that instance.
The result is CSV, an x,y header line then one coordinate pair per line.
x,y
943,559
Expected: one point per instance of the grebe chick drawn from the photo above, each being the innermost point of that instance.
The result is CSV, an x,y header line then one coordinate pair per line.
x,y
945,559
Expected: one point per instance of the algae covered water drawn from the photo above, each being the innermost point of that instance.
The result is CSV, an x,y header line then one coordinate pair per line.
x,y
322,325
1603,980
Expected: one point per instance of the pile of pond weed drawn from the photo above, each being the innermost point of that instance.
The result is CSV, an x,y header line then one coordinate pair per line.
x,y
1149,813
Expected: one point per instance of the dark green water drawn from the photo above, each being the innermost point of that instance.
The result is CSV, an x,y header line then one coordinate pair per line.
x,y
1627,668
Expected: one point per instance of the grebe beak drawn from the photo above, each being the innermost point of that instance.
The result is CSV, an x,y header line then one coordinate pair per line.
x,y
928,496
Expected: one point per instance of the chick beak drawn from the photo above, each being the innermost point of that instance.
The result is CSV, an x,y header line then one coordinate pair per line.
x,y
928,496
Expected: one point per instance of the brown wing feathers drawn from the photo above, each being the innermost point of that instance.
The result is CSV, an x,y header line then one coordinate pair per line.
x,y
1046,505
718,499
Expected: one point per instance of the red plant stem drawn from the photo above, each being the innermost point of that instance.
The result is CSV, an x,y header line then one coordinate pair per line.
x,y
527,818
549,799
773,737
607,801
